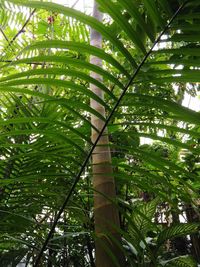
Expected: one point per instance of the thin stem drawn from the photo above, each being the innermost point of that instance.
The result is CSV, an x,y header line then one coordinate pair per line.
x,y
19,32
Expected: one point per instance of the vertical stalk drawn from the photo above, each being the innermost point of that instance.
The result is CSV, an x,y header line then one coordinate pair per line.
x,y
105,212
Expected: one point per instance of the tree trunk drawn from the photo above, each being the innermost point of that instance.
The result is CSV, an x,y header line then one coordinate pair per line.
x,y
105,212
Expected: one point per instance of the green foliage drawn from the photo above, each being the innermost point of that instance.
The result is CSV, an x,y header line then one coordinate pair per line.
x,y
146,238
45,126
176,230
185,261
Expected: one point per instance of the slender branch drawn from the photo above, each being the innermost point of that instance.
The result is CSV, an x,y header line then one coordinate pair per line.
x,y
4,35
23,27
75,4
37,262
19,32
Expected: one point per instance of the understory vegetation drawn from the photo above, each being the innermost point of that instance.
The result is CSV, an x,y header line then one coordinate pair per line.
x,y
129,195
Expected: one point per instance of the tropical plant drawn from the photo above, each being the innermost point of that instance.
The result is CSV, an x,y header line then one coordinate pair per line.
x,y
147,241
145,61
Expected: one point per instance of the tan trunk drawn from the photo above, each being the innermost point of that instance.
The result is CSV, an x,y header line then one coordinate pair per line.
x,y
105,213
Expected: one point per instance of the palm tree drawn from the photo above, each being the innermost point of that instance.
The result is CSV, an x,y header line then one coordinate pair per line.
x,y
105,211
149,56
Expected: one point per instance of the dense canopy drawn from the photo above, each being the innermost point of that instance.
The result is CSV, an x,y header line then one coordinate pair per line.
x,y
148,57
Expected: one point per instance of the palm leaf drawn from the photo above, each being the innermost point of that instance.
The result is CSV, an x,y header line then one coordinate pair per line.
x,y
45,126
